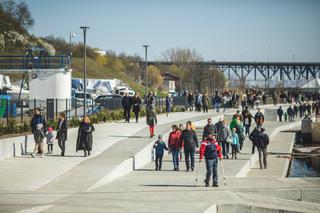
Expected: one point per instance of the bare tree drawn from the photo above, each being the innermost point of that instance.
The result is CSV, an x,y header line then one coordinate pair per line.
x,y
23,15
182,58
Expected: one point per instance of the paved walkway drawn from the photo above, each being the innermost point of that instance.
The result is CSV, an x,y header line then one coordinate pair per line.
x,y
56,184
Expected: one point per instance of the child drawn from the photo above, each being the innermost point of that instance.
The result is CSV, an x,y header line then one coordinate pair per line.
x,y
159,146
235,143
151,120
285,116
50,140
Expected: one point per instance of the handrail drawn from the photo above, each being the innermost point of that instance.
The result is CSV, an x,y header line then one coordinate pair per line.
x,y
10,62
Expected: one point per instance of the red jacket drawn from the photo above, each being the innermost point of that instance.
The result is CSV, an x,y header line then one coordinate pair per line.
x,y
203,147
174,140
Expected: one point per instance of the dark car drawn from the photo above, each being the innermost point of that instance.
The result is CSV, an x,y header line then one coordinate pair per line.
x,y
109,101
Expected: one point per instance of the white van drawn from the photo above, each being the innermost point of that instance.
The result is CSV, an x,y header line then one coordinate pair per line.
x,y
121,90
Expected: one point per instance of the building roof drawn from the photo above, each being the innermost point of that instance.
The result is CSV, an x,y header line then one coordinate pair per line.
x,y
169,76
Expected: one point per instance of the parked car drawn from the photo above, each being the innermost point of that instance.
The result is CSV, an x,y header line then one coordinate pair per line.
x,y
100,99
121,90
78,98
109,102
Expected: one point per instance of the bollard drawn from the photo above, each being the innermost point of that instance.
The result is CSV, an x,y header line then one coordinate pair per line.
x,y
22,151
133,163
14,149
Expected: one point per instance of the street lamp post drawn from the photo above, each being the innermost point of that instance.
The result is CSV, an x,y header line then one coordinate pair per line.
x,y
71,35
84,28
146,78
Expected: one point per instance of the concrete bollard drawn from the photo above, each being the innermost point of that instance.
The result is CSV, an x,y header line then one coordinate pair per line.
x,y
14,150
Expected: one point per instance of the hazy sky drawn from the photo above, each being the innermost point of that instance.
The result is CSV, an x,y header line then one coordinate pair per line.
x,y
221,30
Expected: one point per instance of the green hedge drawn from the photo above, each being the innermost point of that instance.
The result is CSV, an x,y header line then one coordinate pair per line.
x,y
100,117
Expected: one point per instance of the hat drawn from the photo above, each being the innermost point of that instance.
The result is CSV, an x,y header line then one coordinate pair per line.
x,y
50,129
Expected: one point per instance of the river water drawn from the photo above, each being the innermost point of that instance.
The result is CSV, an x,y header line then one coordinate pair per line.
x,y
299,168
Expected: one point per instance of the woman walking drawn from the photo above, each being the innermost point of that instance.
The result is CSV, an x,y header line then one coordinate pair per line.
x,y
151,120
136,102
175,146
62,132
84,141
205,102
168,105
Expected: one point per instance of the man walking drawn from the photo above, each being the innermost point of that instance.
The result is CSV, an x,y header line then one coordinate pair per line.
x,y
262,143
254,137
211,154
290,113
259,118
38,129
126,105
208,129
280,113
190,142
246,115
223,134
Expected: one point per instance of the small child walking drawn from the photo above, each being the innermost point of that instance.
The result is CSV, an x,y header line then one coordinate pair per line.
x,y
235,143
50,140
159,147
285,116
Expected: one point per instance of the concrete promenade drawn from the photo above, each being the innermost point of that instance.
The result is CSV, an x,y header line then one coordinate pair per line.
x,y
78,184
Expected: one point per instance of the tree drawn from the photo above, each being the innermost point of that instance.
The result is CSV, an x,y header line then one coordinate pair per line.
x,y
155,78
18,13
183,58
23,15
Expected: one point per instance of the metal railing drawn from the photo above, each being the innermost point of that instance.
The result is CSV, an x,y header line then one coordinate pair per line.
x,y
34,62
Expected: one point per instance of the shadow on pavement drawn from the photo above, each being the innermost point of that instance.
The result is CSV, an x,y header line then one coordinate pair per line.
x,y
167,185
126,136
153,170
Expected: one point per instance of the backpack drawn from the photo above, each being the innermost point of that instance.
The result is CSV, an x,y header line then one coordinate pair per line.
x,y
211,151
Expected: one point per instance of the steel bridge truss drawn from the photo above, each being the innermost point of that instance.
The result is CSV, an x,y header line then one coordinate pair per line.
x,y
262,70
268,71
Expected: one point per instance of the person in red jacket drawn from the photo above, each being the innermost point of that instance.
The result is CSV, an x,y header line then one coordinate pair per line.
x,y
203,146
175,146
212,153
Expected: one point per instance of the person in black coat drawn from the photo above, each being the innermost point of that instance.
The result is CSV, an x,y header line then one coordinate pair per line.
x,y
38,129
136,102
262,144
290,113
280,113
84,140
209,129
190,140
126,105
62,132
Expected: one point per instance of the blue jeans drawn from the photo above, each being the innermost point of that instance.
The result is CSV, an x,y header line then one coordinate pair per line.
x,y
225,148
175,158
212,169
217,106
187,154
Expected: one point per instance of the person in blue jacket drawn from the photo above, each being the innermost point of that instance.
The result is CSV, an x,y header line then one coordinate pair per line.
x,y
234,143
159,147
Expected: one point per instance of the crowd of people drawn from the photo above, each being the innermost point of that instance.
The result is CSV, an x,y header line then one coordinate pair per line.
x,y
218,141
41,131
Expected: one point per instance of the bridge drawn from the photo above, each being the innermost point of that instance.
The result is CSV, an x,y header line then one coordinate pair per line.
x,y
264,70
240,70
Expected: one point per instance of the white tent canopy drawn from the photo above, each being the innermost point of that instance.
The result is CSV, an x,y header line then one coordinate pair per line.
x,y
312,85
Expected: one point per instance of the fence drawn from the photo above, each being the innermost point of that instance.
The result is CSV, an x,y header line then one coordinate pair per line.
x,y
22,110
34,62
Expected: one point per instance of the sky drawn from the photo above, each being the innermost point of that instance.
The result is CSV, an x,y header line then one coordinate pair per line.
x,y
220,30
